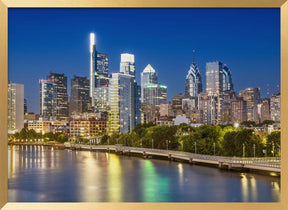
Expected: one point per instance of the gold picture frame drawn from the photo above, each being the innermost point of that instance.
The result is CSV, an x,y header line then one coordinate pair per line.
x,y
6,4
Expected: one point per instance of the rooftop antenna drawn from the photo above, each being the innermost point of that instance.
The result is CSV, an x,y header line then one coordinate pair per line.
x,y
193,56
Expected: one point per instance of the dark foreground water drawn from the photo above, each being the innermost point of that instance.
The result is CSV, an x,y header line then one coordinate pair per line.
x,y
38,173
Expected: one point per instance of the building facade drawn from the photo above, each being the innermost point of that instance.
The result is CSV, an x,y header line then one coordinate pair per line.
x,y
148,76
122,102
15,107
48,99
227,79
177,104
275,107
127,64
60,82
80,100
252,97
154,94
214,78
193,85
238,110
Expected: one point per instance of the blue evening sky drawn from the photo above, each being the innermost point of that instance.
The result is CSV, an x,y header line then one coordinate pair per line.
x,y
57,40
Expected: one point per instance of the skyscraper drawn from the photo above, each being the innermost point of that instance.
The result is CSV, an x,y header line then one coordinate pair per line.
x,y
80,100
208,107
177,104
275,104
193,85
122,102
264,110
60,82
148,76
214,77
227,79
252,97
93,65
154,94
127,65
48,99
15,107
98,70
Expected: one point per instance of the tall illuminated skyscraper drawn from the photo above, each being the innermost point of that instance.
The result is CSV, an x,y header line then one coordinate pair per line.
x,y
15,107
127,65
193,85
214,78
93,64
98,71
252,97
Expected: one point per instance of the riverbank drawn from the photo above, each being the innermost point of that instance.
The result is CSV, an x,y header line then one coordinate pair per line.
x,y
197,159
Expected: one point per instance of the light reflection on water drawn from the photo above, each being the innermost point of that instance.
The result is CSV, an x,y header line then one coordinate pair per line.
x,y
38,173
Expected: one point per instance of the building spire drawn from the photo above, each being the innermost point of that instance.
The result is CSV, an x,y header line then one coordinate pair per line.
x,y
193,56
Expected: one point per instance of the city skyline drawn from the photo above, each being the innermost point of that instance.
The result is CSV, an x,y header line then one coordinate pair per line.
x,y
165,68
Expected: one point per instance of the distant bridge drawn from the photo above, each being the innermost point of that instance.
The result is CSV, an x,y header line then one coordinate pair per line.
x,y
266,164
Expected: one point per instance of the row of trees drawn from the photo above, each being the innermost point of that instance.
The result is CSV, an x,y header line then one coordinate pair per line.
x,y
32,134
206,139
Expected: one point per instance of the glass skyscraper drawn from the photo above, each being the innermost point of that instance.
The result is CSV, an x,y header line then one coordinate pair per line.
x,y
127,64
122,103
60,82
227,79
48,99
214,78
80,100
154,94
193,85
148,76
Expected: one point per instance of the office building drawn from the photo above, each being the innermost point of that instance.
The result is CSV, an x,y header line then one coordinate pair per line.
x,y
214,78
227,79
166,109
193,85
15,107
60,82
127,64
208,108
80,100
154,94
48,99
252,97
101,95
25,106
275,107
148,76
226,108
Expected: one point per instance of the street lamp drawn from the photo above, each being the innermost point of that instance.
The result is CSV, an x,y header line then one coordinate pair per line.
x,y
166,144
273,146
141,143
152,144
243,150
132,142
214,148
254,150
195,143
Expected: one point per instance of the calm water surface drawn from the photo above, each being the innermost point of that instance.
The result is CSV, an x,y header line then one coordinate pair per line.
x,y
41,174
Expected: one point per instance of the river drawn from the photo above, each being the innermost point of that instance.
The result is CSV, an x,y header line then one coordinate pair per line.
x,y
43,174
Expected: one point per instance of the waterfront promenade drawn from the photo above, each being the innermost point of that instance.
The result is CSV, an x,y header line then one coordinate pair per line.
x,y
265,164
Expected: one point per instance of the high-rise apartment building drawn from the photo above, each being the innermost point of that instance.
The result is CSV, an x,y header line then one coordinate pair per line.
x,y
101,97
122,102
177,104
127,64
80,100
275,107
60,82
264,110
238,110
15,107
101,73
193,85
226,108
48,99
148,76
252,97
207,105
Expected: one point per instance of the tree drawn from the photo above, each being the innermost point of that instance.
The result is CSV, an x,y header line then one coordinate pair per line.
x,y
23,134
104,139
248,123
273,138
